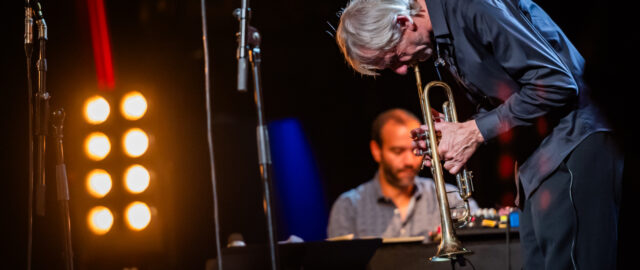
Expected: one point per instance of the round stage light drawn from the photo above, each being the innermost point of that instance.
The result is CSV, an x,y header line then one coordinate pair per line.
x,y
136,142
136,179
97,146
133,106
98,183
96,110
100,220
138,216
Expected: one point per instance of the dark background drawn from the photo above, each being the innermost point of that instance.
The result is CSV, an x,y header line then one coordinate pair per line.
x,y
157,48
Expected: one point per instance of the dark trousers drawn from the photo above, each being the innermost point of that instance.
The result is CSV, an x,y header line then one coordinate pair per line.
x,y
571,220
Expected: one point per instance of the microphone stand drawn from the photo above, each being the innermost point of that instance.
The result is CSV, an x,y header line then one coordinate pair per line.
x,y
264,151
249,40
40,131
41,112
28,50
62,185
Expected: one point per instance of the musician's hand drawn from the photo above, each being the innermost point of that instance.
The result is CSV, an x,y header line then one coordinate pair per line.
x,y
458,143
419,144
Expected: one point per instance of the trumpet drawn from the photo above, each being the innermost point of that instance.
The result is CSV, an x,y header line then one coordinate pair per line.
x,y
450,247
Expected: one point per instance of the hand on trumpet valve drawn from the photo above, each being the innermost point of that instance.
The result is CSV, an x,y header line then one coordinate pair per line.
x,y
457,143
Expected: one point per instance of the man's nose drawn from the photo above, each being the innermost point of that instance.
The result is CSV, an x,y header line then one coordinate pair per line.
x,y
402,70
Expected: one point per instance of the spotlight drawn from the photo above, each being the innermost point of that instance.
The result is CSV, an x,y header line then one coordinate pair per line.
x,y
138,216
133,106
136,179
98,183
100,220
96,110
136,142
97,146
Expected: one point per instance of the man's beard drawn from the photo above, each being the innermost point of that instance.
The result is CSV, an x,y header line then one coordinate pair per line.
x,y
393,179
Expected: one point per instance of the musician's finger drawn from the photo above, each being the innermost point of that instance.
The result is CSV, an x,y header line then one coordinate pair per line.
x,y
452,166
426,162
419,133
415,146
420,152
448,165
437,116
456,168
419,144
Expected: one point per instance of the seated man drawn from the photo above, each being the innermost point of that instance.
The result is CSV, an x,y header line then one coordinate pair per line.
x,y
396,202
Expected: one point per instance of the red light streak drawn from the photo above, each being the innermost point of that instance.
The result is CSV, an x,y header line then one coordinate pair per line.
x,y
101,44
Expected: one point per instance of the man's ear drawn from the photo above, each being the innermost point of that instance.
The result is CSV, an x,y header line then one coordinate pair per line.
x,y
375,150
403,22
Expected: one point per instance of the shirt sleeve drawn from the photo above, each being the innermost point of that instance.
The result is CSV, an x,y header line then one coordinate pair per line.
x,y
342,217
546,84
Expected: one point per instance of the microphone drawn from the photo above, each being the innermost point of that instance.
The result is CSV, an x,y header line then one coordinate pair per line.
x,y
242,14
28,25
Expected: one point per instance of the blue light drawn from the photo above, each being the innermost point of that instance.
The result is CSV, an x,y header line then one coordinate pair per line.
x,y
300,200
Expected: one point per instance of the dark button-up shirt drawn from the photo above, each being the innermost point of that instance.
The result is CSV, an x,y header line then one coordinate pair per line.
x,y
511,51
365,212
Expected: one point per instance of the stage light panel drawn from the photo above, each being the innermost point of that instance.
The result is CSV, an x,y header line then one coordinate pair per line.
x,y
136,179
136,142
138,216
97,146
133,106
96,110
100,220
98,183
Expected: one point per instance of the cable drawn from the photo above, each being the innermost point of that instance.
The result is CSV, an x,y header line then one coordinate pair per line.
x,y
575,214
508,246
205,45
472,266
464,259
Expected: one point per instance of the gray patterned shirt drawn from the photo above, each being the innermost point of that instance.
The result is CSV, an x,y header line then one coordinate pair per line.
x,y
365,212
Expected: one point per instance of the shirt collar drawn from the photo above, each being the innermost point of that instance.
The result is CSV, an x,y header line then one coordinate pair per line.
x,y
417,191
438,21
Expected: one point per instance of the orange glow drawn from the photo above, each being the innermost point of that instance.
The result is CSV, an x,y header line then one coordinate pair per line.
x,y
136,179
100,220
136,142
98,183
97,146
138,216
96,110
133,106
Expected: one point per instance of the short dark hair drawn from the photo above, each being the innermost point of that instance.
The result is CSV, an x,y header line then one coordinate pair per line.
x,y
400,116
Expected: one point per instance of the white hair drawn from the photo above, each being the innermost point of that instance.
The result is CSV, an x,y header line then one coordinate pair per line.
x,y
370,26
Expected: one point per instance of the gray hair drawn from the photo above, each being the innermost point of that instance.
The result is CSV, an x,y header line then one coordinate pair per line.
x,y
370,25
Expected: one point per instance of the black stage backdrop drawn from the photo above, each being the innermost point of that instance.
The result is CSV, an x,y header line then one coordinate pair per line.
x,y
157,46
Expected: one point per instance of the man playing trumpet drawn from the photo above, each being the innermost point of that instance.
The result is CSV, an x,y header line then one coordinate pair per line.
x,y
521,71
